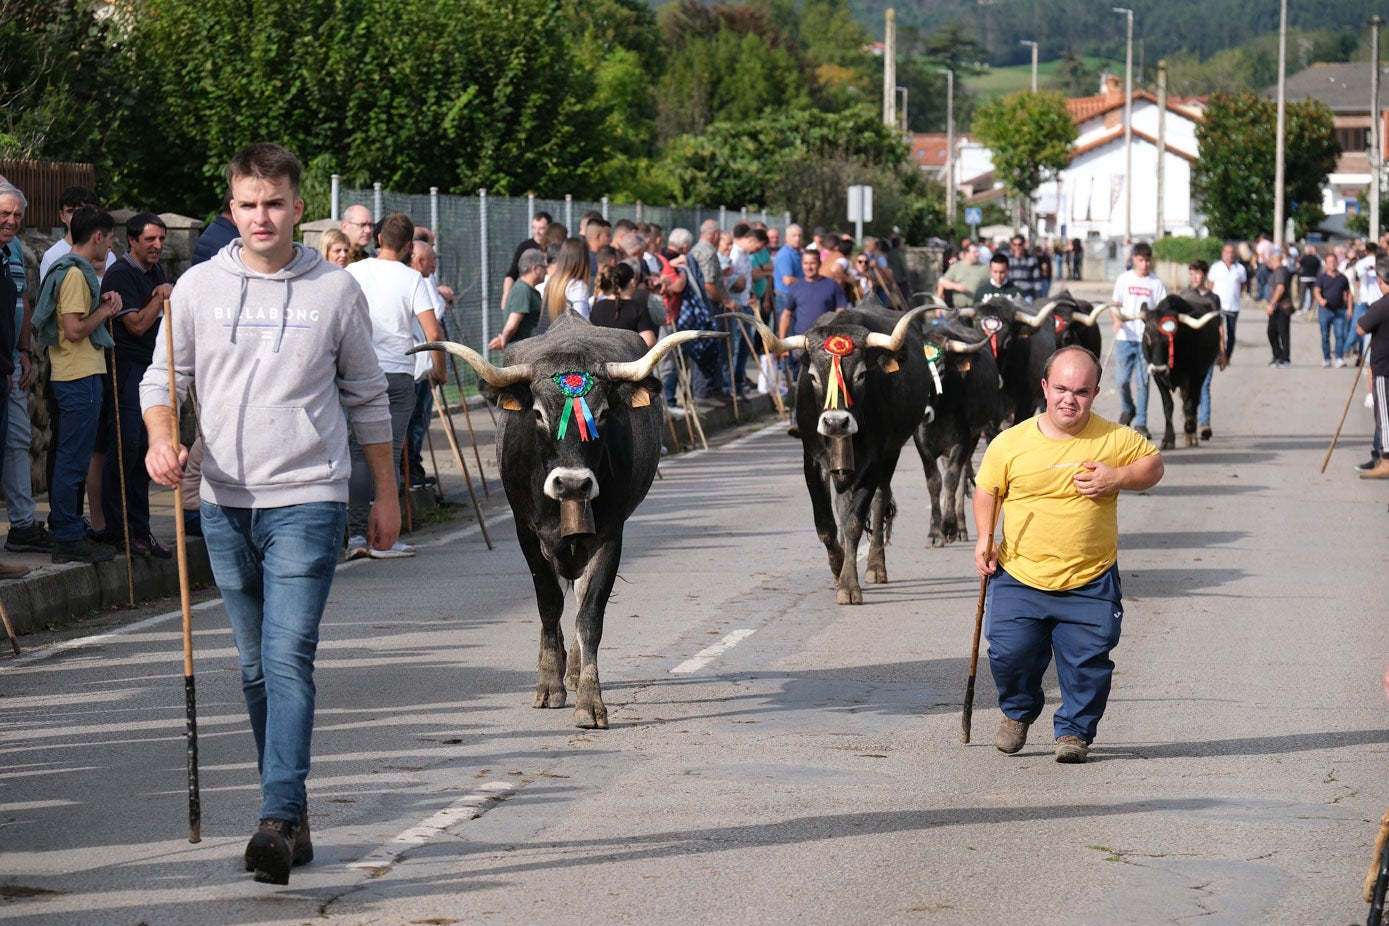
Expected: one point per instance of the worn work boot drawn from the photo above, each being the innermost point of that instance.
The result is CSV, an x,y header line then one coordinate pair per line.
x,y
1011,735
1071,749
1380,470
270,853
303,844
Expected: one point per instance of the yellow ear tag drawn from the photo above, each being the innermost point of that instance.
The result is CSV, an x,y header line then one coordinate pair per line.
x,y
640,398
890,365
512,404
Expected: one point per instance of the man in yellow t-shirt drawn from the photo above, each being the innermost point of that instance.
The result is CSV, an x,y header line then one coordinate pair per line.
x,y
1057,591
77,376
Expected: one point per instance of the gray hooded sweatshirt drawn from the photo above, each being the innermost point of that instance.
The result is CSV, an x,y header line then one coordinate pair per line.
x,y
276,358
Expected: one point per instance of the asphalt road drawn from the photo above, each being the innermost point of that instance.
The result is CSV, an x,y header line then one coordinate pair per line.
x,y
773,757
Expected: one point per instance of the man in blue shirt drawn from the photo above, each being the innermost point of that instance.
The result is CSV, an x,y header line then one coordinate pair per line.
x,y
1332,293
809,298
786,266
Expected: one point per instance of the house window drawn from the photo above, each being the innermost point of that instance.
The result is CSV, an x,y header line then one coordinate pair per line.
x,y
1353,139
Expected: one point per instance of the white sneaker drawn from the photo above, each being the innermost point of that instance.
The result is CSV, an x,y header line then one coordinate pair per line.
x,y
1370,402
398,550
1326,364
675,411
1338,362
357,548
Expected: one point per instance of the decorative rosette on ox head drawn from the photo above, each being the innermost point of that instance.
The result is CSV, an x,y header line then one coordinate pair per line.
x,y
933,361
1168,326
992,324
575,385
837,346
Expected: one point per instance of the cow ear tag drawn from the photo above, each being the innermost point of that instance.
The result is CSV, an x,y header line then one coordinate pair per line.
x,y
932,352
512,404
574,385
640,398
890,365
837,346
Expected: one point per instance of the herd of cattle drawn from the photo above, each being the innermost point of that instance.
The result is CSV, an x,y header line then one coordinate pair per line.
x,y
579,436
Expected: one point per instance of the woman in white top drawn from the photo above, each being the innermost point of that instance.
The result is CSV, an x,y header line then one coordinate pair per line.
x,y
568,283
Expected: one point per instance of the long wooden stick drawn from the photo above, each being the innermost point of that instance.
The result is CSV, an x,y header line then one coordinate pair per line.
x,y
444,415
9,628
468,419
1355,383
968,715
190,696
120,466
691,411
433,461
405,473
734,377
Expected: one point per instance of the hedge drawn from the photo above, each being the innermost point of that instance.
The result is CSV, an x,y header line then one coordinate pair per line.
x,y
1185,250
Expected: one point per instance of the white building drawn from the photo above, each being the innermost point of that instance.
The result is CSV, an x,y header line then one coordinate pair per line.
x,y
1088,200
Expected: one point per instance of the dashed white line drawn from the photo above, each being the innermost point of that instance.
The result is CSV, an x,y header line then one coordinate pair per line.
x,y
710,653
468,807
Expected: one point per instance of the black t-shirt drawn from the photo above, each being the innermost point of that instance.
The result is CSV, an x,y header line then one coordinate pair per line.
x,y
628,314
1281,275
1334,289
1375,323
134,285
514,271
1309,264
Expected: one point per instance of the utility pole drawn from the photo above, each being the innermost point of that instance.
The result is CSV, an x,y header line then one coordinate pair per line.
x,y
1376,143
949,145
1161,149
1033,46
890,69
1128,126
905,129
1280,135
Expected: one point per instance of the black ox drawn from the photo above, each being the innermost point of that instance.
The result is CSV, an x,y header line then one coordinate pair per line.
x,y
965,404
1021,343
1073,320
1181,340
854,416
578,441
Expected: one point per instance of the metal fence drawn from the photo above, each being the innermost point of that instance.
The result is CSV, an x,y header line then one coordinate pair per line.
x,y
42,182
477,236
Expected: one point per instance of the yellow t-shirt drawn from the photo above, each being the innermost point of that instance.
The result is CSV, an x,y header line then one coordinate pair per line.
x,y
1054,538
69,361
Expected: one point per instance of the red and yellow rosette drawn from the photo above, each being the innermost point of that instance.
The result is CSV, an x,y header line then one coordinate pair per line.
x,y
837,346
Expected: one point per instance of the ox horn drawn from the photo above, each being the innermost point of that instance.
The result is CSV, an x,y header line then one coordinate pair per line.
x,y
1036,320
634,371
1094,316
496,376
1196,322
964,311
770,342
963,347
894,341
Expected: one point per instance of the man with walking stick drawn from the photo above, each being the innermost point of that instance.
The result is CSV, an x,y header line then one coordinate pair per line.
x,y
1057,591
278,344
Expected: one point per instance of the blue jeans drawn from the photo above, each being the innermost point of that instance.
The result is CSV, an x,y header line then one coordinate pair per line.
x,y
1360,344
1025,626
742,350
419,425
127,423
18,435
1231,319
1203,407
400,389
1133,371
1332,323
274,567
79,410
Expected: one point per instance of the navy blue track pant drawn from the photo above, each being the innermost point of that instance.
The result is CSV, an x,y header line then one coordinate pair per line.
x,y
1025,626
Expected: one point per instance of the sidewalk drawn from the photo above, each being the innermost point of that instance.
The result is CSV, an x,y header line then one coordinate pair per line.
x,y
55,594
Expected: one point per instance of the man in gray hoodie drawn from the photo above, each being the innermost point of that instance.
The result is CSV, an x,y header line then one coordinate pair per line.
x,y
278,343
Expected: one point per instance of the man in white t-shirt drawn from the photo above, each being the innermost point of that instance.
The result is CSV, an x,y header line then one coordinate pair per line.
x,y
69,201
1135,291
397,296
1228,279
1369,292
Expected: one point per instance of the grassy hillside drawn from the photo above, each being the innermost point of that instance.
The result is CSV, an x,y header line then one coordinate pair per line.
x,y
999,81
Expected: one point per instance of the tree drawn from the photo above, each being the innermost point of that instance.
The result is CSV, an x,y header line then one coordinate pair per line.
x,y
1233,178
1029,136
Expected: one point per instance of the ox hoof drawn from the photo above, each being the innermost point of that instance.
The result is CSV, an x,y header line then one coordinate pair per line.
x,y
1168,444
1192,441
937,540
593,716
849,596
549,695
875,575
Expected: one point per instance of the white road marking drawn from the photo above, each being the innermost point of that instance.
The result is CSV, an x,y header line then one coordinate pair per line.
x,y
709,654
468,807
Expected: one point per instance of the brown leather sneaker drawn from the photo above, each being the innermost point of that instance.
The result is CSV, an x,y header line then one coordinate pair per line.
x,y
1071,749
303,844
1011,735
1380,470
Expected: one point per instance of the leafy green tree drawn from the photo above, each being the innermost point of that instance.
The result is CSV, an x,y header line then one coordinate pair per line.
x,y
1233,178
1073,77
1029,136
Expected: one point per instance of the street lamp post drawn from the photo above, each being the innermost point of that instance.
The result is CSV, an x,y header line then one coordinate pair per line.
x,y
1128,126
949,144
1375,143
1279,163
1033,46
